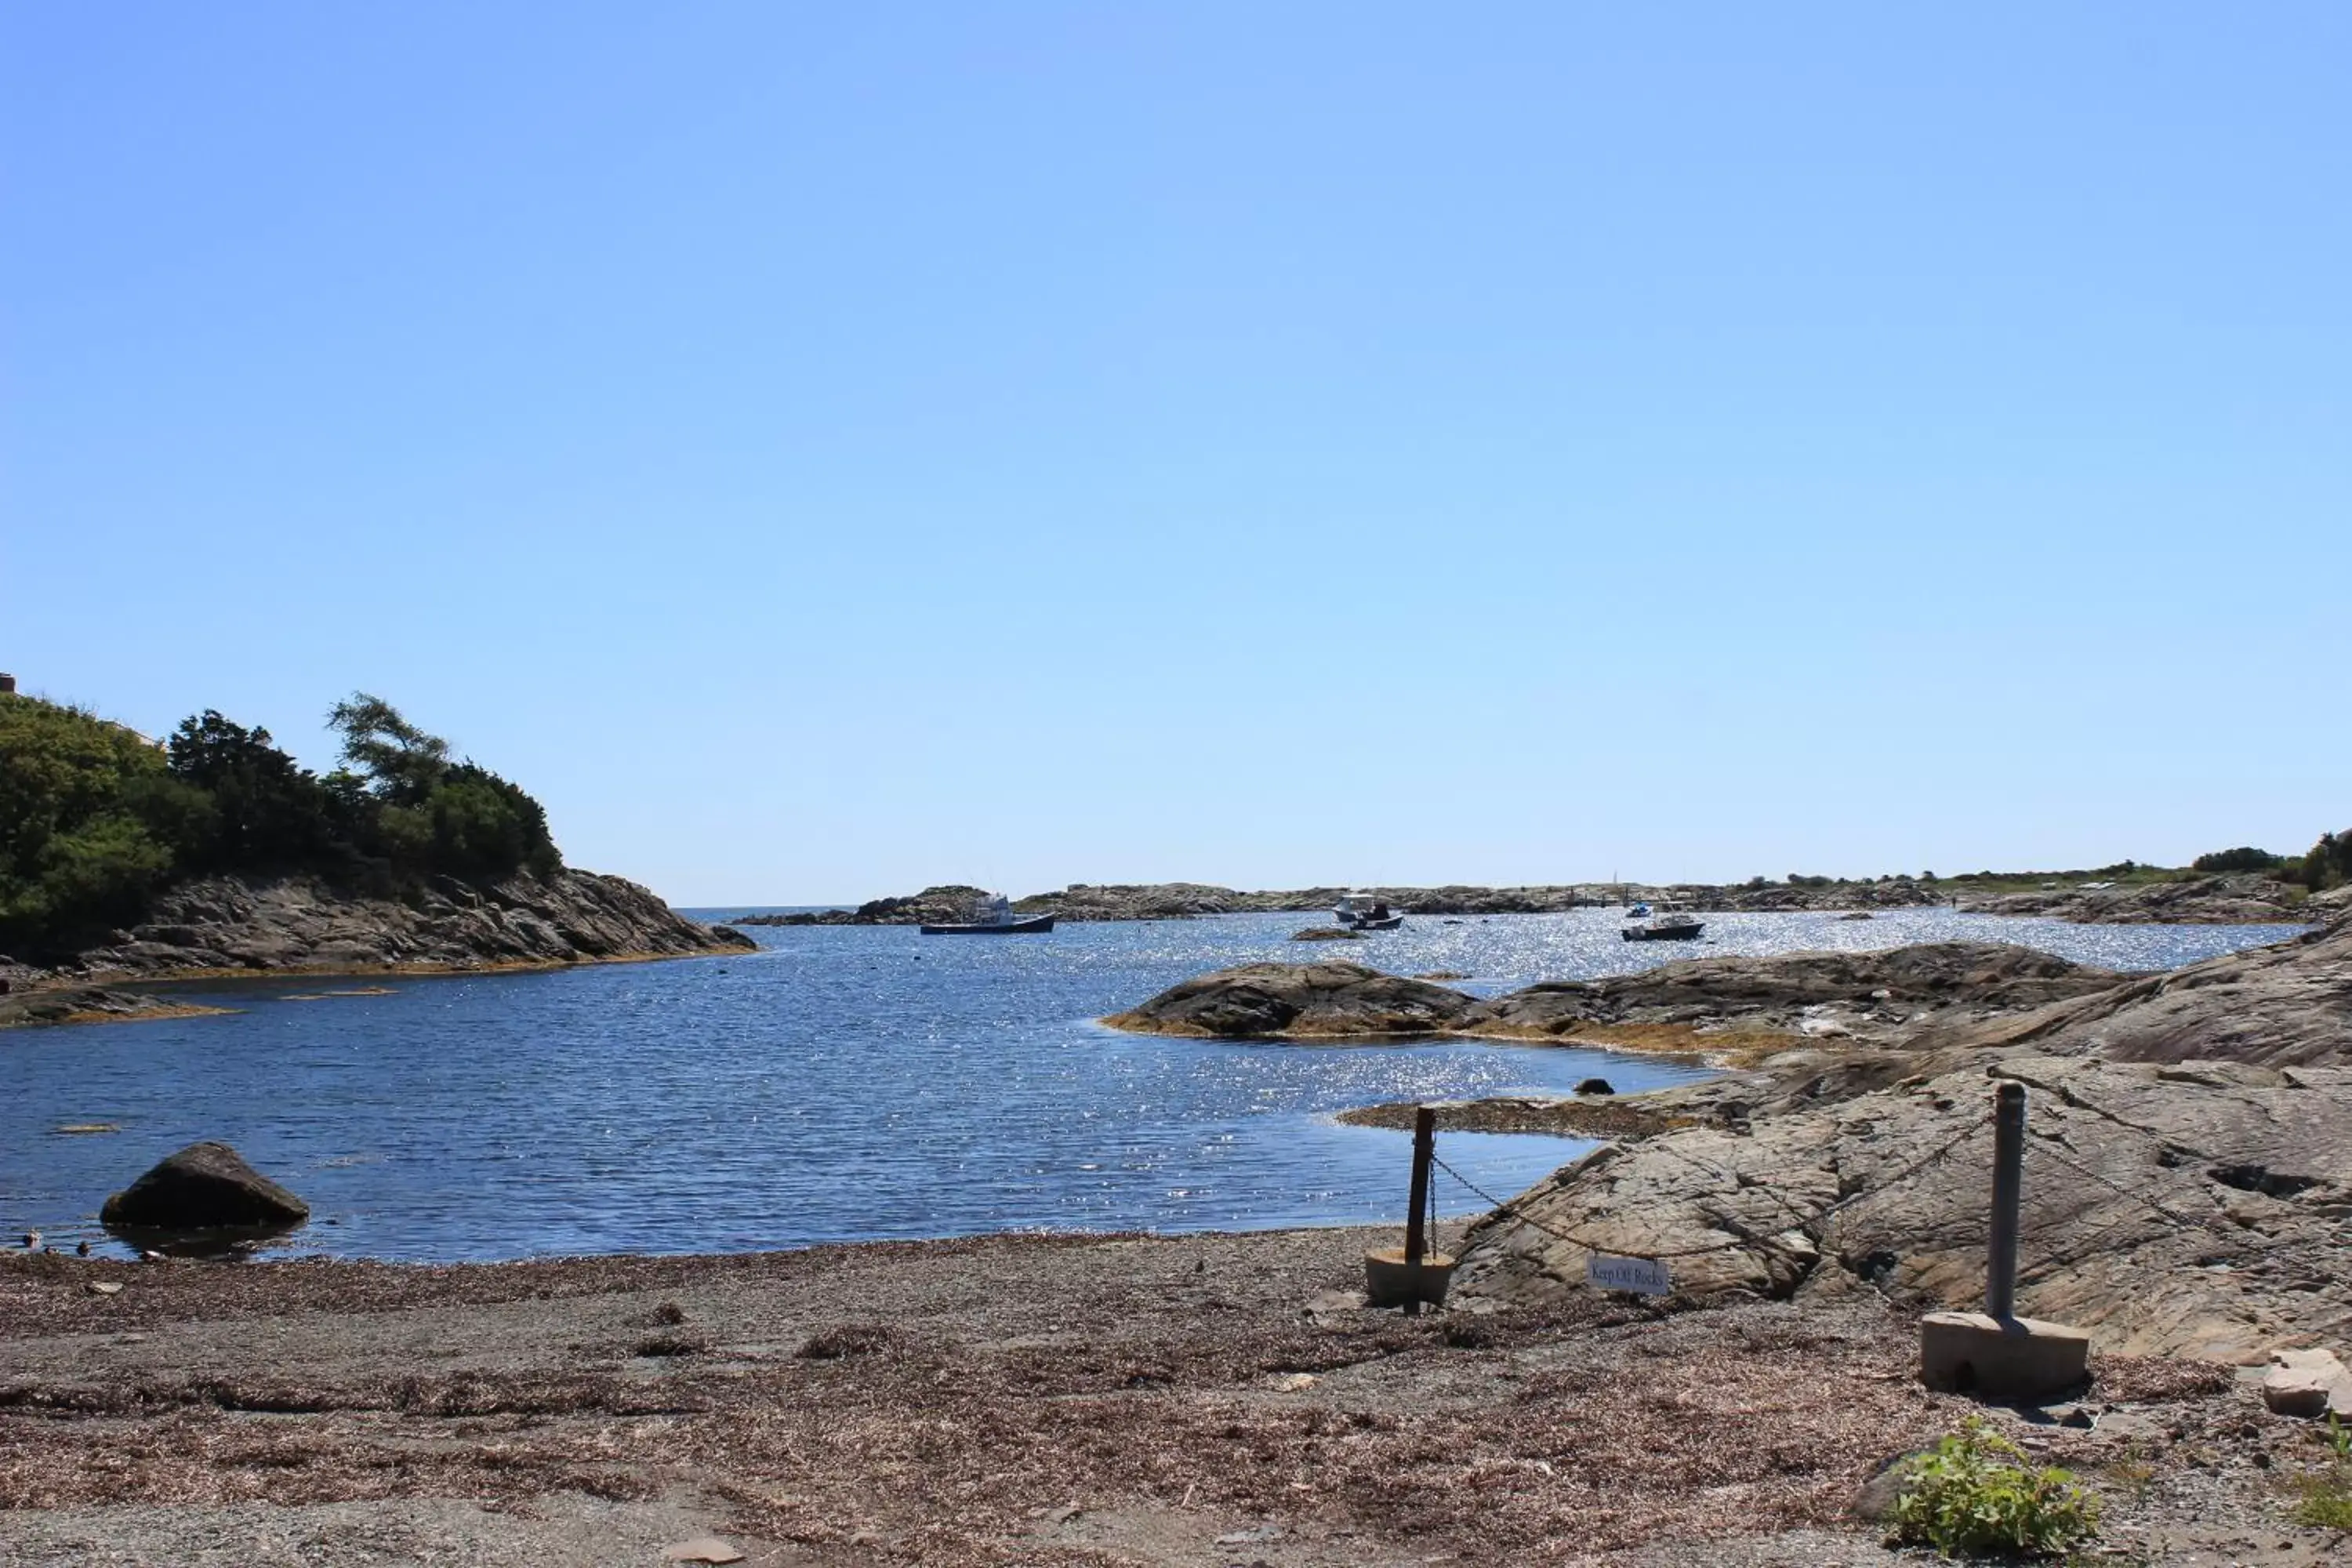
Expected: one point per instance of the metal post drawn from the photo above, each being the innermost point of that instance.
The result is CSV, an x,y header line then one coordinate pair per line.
x,y
2008,1190
1416,1240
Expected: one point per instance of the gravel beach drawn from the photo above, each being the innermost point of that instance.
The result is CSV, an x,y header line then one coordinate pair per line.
x,y
1100,1399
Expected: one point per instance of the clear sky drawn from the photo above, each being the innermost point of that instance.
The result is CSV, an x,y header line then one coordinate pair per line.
x,y
824,449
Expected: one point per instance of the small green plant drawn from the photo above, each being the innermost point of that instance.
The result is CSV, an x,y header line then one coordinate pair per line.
x,y
1974,1496
2327,1497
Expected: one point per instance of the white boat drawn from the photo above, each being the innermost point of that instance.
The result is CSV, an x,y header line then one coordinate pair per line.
x,y
992,915
1638,913
1365,912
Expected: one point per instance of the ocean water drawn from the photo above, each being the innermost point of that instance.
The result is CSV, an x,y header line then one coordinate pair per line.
x,y
848,1084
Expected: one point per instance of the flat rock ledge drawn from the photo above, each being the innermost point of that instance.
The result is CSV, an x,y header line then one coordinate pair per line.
x,y
1690,1005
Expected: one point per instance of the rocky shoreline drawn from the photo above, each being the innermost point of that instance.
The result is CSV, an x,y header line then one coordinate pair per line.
x,y
2201,900
1714,1005
244,927
2211,901
2188,1185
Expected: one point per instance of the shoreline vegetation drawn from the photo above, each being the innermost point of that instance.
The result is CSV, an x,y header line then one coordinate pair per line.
x,y
214,855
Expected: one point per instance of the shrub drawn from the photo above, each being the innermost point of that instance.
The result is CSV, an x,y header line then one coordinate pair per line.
x,y
2244,858
1973,1495
2328,864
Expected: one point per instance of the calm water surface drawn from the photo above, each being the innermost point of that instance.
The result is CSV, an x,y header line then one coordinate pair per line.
x,y
848,1084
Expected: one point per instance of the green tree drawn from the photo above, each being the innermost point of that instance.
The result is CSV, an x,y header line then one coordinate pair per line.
x,y
485,826
2244,858
267,810
76,857
400,761
2328,863
426,812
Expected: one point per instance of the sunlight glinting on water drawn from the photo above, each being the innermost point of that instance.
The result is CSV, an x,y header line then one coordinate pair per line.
x,y
847,1084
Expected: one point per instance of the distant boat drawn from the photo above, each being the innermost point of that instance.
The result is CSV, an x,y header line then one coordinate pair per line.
x,y
1664,928
1362,911
1638,913
990,916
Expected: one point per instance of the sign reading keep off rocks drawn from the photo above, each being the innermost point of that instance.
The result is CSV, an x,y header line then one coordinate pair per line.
x,y
1645,1276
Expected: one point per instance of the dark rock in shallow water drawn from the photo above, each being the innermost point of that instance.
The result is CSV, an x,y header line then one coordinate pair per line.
x,y
1595,1086
204,1186
1307,1000
1326,933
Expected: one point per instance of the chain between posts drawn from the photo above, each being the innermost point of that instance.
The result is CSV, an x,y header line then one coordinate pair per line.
x,y
2048,1145
1511,1209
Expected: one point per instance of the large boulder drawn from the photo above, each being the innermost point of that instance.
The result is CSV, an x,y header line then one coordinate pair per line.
x,y
204,1186
1255,1001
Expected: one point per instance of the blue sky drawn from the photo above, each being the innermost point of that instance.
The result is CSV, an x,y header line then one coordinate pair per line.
x,y
822,450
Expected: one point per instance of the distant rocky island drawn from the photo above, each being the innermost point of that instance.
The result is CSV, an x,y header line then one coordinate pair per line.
x,y
214,852
2141,895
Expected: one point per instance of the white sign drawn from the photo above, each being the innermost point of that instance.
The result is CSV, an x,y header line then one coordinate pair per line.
x,y
1645,1275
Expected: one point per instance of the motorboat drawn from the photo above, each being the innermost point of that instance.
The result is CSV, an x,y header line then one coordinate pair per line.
x,y
1638,913
992,915
1365,912
1664,928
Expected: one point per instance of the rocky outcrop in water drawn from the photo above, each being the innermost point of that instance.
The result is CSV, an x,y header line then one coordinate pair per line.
x,y
2188,1174
2288,1005
1082,901
1298,1001
92,1004
942,905
1816,993
2201,900
1813,994
241,924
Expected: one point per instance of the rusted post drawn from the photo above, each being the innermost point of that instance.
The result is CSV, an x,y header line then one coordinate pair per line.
x,y
2008,1191
1416,1239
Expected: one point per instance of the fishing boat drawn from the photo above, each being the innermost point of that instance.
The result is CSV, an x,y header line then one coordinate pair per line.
x,y
992,915
1664,928
1364,911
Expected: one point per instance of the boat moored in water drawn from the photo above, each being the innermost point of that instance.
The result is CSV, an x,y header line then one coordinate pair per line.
x,y
990,916
1664,928
1364,911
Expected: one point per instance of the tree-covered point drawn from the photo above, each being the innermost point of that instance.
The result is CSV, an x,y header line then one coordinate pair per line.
x,y
96,819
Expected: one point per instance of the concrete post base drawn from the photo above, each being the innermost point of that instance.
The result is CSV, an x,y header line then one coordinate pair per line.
x,y
1390,1281
1969,1353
